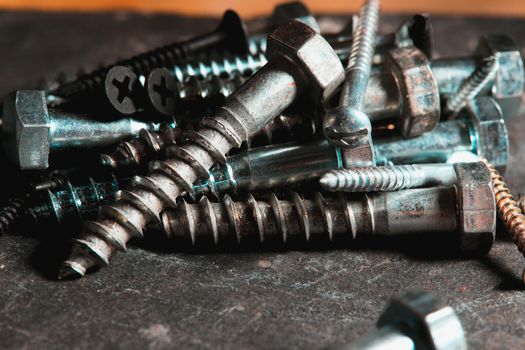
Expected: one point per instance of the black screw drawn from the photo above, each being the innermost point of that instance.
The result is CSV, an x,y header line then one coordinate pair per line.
x,y
122,89
161,89
230,34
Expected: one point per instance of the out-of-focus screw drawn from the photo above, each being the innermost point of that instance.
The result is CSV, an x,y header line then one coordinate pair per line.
x,y
472,86
414,321
347,126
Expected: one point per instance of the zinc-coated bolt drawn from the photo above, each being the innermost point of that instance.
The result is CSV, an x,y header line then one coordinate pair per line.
x,y
347,126
438,209
388,178
472,86
231,34
414,321
31,130
301,60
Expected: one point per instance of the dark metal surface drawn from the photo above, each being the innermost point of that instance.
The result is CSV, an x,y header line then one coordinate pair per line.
x,y
160,296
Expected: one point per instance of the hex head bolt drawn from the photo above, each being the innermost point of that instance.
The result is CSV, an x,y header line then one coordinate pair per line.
x,y
300,60
414,321
230,34
31,130
467,209
347,126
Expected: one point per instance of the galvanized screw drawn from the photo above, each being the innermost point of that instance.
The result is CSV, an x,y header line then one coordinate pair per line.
x,y
347,126
388,178
472,86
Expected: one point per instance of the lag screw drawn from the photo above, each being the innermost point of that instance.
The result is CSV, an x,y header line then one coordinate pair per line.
x,y
300,60
467,209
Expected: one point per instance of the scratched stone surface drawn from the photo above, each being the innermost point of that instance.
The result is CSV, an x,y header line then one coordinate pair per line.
x,y
307,297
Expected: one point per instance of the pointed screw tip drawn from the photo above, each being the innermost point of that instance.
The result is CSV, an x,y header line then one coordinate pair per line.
x,y
327,181
70,271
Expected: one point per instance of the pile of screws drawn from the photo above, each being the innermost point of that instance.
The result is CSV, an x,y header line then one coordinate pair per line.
x,y
294,145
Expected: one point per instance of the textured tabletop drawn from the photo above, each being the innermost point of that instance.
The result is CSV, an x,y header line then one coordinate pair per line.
x,y
169,298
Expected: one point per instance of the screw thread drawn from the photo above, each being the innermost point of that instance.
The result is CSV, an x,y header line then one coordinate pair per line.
x,y
363,44
214,87
372,179
10,213
244,65
138,151
472,86
508,210
149,195
270,218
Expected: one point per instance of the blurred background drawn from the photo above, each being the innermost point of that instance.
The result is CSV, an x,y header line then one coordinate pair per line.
x,y
509,8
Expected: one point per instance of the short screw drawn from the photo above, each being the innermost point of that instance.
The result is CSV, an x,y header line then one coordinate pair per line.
x,y
388,178
347,126
438,209
472,86
264,96
231,33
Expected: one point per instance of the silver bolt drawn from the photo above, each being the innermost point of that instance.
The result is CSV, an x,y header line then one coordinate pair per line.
x,y
415,320
301,60
467,209
347,126
472,86
31,130
388,178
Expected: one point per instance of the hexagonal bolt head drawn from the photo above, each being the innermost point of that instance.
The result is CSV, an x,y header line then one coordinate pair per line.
x,y
509,83
26,129
418,90
430,324
301,45
491,131
476,207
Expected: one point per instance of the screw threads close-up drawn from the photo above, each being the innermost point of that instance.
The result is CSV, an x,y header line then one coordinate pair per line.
x,y
270,218
10,213
370,179
149,195
364,38
473,85
508,209
243,65
138,151
215,87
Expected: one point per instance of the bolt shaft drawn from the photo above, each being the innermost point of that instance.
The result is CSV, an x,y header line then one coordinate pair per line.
x,y
388,178
473,85
328,217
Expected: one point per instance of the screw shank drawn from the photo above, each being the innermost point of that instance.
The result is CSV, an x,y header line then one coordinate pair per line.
x,y
384,338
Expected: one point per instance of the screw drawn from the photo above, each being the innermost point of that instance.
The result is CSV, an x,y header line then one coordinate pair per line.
x,y
142,149
231,34
14,209
347,126
285,165
472,86
31,131
75,202
264,96
388,178
414,321
439,209
509,212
